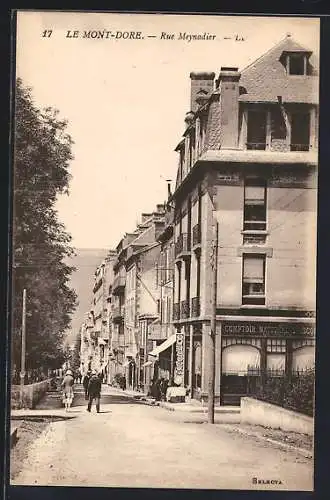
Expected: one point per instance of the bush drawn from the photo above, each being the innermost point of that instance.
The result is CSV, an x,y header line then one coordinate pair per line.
x,y
119,380
295,394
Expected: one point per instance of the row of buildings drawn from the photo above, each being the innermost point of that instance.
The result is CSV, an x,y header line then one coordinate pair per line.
x,y
248,168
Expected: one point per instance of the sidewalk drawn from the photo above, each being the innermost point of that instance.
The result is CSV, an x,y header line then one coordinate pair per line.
x,y
289,441
36,413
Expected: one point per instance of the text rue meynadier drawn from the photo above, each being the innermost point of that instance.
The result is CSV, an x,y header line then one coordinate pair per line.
x,y
188,37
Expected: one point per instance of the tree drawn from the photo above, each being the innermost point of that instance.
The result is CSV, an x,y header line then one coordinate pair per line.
x,y
75,358
41,246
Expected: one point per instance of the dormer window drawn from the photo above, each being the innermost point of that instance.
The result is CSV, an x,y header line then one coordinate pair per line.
x,y
296,63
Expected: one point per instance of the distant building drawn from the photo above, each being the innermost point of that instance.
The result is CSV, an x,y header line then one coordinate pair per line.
x,y
96,329
135,297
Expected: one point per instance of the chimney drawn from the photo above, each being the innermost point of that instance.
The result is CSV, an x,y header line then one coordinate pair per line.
x,y
160,208
200,81
169,192
229,93
145,217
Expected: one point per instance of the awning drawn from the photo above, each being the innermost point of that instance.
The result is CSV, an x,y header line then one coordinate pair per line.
x,y
148,363
162,347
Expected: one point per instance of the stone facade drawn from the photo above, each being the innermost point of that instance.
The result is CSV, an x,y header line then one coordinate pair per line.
x,y
253,174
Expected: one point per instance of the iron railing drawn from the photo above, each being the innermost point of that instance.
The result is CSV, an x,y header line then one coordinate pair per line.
x,y
176,311
196,233
185,309
182,244
195,307
118,284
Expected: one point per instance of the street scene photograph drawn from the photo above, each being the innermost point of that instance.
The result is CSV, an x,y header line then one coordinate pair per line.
x,y
164,231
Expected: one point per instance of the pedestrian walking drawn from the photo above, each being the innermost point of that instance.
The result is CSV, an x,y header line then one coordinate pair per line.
x,y
67,386
86,382
94,391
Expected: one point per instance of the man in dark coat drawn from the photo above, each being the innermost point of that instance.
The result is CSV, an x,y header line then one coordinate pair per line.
x,y
94,391
86,382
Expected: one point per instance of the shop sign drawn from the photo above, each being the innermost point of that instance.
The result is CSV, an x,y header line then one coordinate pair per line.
x,y
259,329
179,364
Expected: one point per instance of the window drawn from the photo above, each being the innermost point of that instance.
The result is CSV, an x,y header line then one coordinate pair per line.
x,y
253,279
276,345
255,205
300,131
256,129
192,148
296,64
278,128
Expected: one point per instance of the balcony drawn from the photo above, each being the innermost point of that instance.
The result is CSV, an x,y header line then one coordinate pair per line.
x,y
195,307
118,314
119,285
184,309
256,146
183,246
299,147
176,311
196,234
158,331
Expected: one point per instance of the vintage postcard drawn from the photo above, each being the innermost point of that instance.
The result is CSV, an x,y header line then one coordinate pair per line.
x,y
164,251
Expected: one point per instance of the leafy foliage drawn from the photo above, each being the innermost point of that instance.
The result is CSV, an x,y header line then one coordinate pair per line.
x,y
41,246
294,393
75,358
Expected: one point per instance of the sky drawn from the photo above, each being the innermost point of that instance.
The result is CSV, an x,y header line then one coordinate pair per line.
x,y
125,100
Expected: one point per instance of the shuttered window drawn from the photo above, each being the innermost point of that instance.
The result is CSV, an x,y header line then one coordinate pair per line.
x,y
253,289
255,205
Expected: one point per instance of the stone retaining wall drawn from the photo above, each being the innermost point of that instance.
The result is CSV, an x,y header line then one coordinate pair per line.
x,y
258,412
32,394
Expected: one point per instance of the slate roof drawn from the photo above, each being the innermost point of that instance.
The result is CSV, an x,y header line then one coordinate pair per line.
x,y
266,78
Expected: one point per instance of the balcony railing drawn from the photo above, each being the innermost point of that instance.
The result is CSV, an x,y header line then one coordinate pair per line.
x,y
299,147
182,245
260,146
196,233
118,285
176,311
195,307
184,309
254,225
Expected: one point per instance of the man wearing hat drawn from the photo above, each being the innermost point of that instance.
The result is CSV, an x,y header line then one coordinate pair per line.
x,y
94,391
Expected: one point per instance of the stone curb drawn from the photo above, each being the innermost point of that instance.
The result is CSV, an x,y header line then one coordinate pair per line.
x,y
27,416
301,451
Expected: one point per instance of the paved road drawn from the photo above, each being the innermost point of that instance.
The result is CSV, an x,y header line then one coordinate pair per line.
x,y
134,445
53,399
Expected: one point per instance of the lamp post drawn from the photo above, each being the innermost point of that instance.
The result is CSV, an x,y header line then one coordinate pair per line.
x,y
214,265
23,348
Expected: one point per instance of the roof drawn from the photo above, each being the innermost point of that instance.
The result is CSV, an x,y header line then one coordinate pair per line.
x,y
266,78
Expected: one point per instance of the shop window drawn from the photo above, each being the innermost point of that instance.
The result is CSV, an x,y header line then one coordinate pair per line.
x,y
254,205
276,345
253,289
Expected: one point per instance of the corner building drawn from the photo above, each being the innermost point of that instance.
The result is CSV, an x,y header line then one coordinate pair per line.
x,y
248,162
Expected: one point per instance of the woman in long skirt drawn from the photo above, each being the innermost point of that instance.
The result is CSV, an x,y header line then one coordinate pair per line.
x,y
67,386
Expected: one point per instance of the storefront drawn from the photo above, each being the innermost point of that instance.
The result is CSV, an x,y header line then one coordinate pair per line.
x,y
164,354
251,350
